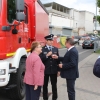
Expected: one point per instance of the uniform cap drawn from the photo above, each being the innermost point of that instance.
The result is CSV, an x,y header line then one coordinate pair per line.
x,y
49,37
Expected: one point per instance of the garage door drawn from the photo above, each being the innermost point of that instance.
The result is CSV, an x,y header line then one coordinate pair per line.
x,y
57,31
66,32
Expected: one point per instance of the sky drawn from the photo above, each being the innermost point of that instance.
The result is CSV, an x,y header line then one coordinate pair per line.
x,y
88,5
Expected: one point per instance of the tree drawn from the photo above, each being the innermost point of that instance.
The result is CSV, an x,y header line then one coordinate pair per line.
x,y
98,3
98,19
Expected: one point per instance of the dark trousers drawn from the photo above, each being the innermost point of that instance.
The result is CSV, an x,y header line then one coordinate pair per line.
x,y
32,94
53,78
71,88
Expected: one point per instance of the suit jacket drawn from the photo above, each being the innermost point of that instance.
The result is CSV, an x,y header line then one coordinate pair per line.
x,y
96,68
34,74
51,65
70,64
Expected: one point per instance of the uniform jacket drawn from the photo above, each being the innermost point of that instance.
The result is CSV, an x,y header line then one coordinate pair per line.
x,y
34,74
51,65
70,64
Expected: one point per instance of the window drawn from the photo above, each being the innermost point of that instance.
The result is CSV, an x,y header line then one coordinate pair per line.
x,y
0,5
54,6
67,11
61,9
11,11
26,14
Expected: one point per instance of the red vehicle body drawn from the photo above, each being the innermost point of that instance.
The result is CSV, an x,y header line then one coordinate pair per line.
x,y
16,35
36,28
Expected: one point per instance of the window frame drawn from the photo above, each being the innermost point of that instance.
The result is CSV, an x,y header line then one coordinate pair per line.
x,y
26,14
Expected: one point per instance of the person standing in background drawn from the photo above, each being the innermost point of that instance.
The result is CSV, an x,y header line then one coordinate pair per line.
x,y
51,67
34,74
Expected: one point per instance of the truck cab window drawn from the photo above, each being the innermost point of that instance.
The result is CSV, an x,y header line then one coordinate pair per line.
x,y
26,14
11,10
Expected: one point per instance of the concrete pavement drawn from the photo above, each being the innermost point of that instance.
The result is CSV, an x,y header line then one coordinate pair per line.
x,y
87,85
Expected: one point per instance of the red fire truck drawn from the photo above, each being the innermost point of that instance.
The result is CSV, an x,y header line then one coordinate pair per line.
x,y
21,23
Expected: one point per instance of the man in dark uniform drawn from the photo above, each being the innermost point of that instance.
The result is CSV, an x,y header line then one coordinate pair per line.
x,y
51,68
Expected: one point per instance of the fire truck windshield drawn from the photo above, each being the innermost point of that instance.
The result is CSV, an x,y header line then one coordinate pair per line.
x,y
0,5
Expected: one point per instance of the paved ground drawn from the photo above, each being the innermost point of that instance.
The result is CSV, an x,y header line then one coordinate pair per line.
x,y
87,85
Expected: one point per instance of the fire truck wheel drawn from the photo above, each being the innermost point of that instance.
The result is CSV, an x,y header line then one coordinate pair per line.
x,y
18,93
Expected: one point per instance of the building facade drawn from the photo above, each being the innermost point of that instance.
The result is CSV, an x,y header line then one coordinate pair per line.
x,y
66,21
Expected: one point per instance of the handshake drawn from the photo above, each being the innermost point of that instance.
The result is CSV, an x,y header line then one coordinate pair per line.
x,y
54,56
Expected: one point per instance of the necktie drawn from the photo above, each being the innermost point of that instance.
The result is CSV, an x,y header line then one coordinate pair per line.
x,y
50,48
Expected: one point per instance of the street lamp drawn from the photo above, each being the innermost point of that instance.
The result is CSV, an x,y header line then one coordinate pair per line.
x,y
96,17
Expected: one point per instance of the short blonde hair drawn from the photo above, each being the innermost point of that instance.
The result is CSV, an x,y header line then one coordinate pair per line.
x,y
34,45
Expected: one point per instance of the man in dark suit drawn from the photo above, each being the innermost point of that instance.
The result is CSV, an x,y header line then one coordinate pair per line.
x,y
69,67
51,67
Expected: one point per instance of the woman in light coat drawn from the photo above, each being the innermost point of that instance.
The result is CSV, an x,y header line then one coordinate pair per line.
x,y
34,75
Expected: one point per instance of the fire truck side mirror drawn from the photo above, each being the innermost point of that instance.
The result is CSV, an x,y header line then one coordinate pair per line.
x,y
20,16
20,5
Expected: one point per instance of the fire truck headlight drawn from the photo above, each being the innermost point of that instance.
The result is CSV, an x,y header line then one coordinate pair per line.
x,y
2,71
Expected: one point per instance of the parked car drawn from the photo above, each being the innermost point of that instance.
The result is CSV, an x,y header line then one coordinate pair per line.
x,y
88,44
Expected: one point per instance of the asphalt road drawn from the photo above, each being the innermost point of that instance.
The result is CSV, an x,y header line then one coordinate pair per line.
x,y
83,53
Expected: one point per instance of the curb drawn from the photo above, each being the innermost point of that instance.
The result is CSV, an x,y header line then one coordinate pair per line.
x,y
84,61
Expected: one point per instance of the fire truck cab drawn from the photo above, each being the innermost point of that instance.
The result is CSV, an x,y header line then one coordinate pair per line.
x,y
21,23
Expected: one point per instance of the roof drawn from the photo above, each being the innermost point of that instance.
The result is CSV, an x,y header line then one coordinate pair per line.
x,y
86,11
42,6
51,3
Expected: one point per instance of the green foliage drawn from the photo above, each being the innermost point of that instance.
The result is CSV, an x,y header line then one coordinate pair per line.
x,y
98,51
98,3
98,18
99,33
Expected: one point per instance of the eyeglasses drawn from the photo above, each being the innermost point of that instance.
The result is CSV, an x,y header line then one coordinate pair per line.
x,y
39,47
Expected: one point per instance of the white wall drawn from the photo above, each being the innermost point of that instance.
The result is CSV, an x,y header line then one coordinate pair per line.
x,y
49,8
81,32
82,19
76,19
71,23
50,17
89,22
86,21
71,13
60,21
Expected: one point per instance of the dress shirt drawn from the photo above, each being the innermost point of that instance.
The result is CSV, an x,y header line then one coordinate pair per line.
x,y
70,48
49,47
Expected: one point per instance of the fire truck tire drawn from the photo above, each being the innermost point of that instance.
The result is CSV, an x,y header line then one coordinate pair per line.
x,y
18,93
